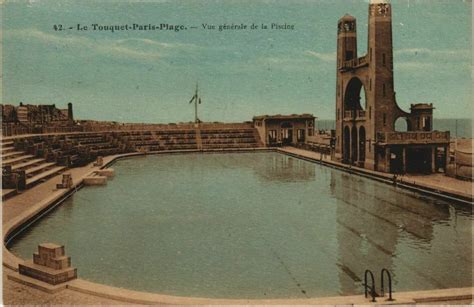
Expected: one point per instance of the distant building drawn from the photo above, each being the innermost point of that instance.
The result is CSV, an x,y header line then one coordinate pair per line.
x,y
28,118
277,130
365,130
36,114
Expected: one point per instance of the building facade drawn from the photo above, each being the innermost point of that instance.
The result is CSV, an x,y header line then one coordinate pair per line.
x,y
282,130
365,130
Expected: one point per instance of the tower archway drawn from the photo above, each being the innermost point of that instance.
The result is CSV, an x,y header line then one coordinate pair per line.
x,y
346,145
354,145
402,124
354,95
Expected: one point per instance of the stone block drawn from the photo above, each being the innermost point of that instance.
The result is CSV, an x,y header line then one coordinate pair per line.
x,y
107,172
49,265
95,180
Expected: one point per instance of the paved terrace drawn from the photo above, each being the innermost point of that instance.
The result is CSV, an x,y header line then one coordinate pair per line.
x,y
21,207
435,182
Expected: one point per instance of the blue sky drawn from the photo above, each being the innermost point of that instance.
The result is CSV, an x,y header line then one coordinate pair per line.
x,y
149,76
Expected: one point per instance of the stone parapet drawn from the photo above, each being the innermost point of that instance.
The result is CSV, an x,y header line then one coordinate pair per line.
x,y
413,137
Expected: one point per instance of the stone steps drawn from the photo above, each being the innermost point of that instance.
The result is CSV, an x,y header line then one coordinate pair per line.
x,y
7,143
7,149
11,154
44,175
27,164
17,160
31,171
6,193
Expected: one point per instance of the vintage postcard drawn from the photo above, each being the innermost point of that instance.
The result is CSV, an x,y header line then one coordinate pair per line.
x,y
236,152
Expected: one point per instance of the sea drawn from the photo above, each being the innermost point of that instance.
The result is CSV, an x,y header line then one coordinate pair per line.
x,y
459,127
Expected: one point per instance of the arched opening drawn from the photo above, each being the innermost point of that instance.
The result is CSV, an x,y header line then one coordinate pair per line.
x,y
346,154
362,144
354,151
286,133
354,97
402,124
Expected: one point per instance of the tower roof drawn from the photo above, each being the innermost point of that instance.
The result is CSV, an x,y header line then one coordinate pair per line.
x,y
379,1
347,17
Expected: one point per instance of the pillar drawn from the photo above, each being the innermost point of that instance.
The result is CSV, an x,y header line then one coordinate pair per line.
x,y
433,159
404,160
70,112
446,157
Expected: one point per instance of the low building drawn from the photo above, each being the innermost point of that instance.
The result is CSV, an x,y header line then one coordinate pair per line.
x,y
281,130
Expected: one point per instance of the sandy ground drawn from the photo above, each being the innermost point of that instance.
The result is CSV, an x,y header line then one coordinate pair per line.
x,y
18,294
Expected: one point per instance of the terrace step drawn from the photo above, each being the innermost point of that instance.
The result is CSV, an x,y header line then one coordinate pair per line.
x,y
32,170
44,175
18,159
6,193
11,154
7,149
26,164
7,143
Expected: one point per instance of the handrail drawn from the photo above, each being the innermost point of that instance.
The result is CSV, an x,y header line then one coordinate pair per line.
x,y
389,283
372,289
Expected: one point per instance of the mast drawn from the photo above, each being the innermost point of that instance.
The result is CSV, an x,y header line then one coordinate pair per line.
x,y
196,104
197,101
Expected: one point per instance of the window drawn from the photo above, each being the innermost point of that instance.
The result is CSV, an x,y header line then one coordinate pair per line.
x,y
383,90
272,136
349,55
370,112
310,131
383,59
370,84
384,119
338,114
300,135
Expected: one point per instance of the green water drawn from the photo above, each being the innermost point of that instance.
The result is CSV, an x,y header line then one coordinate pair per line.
x,y
254,225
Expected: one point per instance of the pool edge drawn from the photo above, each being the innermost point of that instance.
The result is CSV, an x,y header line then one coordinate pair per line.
x,y
37,210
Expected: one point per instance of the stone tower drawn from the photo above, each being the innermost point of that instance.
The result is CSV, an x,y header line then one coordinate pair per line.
x,y
372,75
365,129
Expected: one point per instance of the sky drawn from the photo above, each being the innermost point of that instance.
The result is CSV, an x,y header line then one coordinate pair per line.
x,y
150,76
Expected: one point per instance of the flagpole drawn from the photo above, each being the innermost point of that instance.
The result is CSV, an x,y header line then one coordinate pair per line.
x,y
196,105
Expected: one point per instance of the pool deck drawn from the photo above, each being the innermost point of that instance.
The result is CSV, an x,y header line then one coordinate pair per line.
x,y
436,183
25,206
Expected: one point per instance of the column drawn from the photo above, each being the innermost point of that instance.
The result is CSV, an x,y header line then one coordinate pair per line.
x,y
433,159
404,160
446,158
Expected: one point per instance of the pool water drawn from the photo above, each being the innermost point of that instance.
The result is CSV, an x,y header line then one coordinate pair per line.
x,y
254,225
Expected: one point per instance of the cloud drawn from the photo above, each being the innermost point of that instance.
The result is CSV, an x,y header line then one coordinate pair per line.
x,y
136,48
151,42
325,57
418,66
440,54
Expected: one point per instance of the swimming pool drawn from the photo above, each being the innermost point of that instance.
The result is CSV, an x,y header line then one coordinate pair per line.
x,y
254,225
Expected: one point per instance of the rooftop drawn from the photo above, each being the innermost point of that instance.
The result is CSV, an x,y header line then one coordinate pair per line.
x,y
279,116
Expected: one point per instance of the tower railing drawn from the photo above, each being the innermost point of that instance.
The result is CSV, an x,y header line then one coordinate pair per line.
x,y
354,63
351,114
